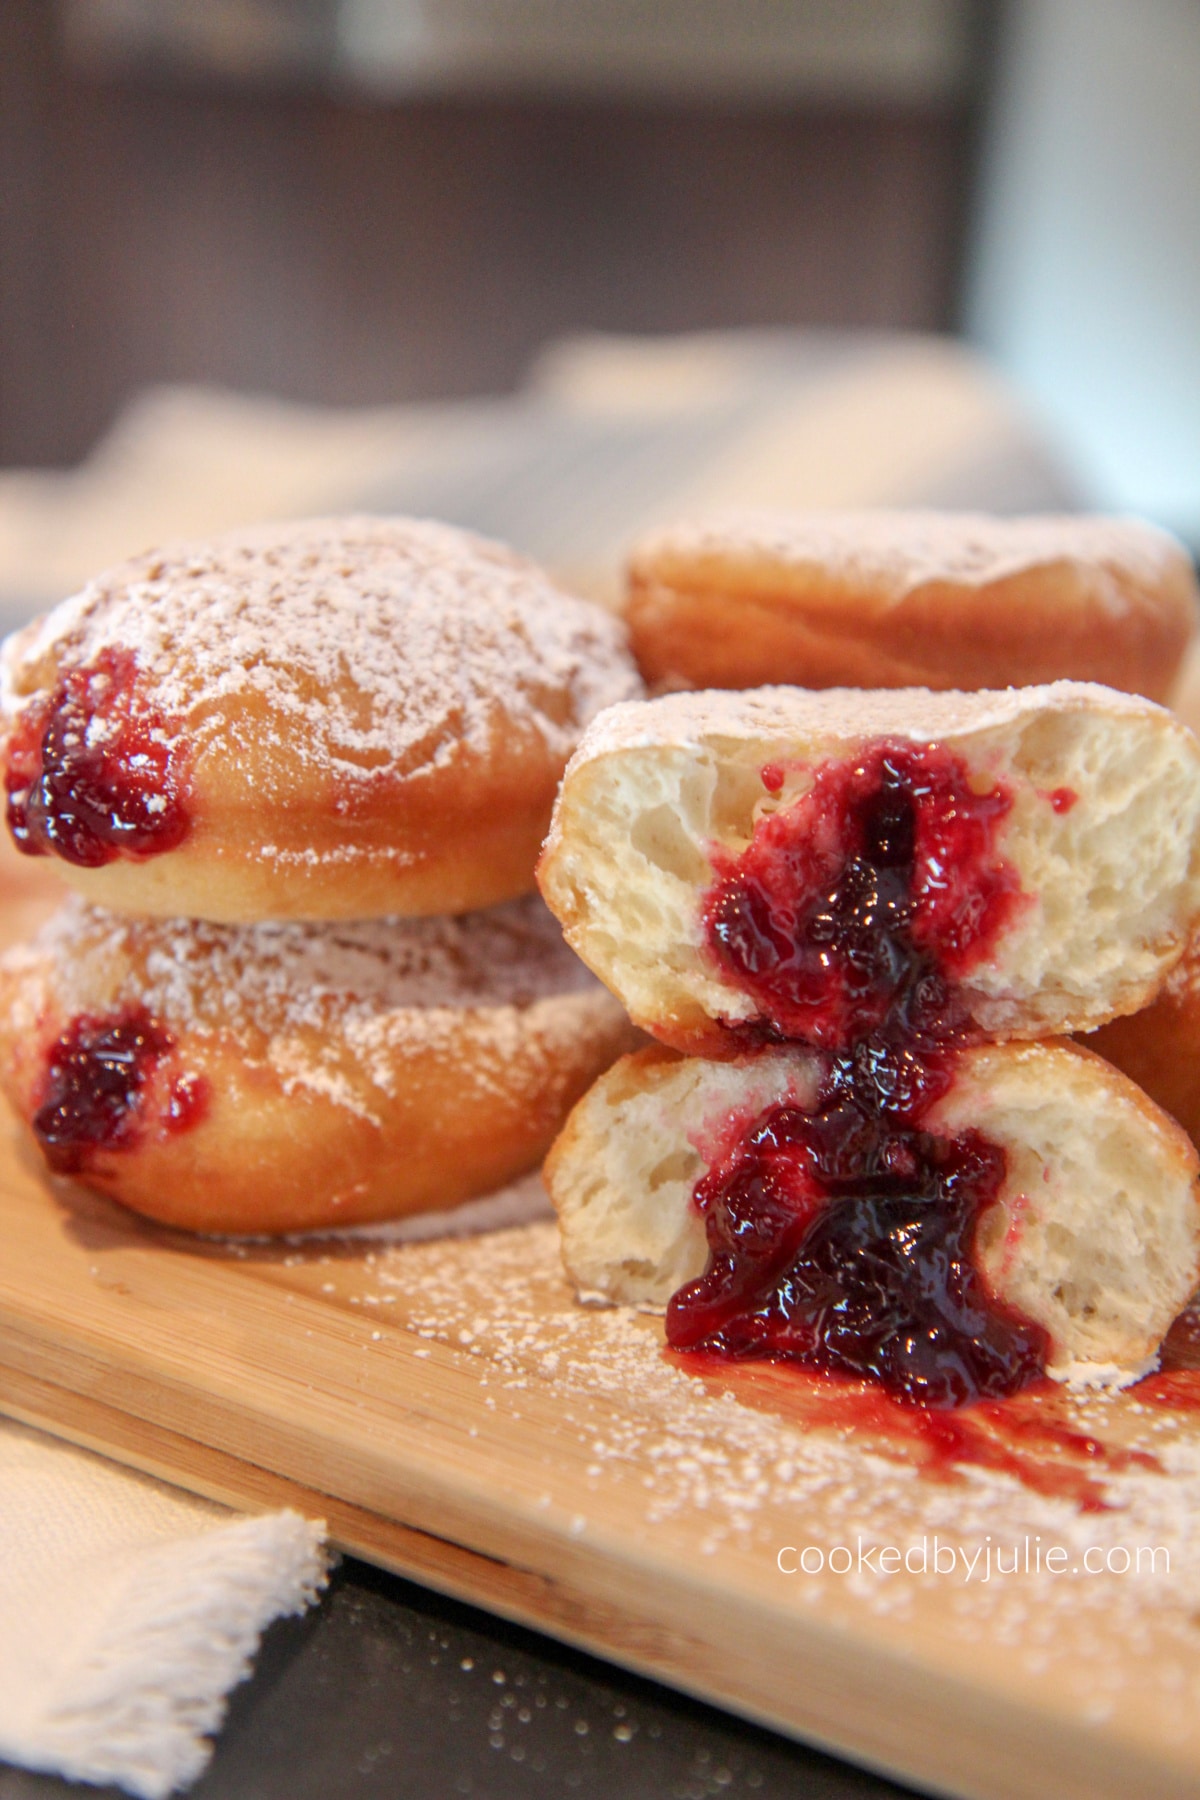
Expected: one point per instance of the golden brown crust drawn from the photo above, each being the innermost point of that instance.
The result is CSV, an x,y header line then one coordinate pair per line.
x,y
399,863
911,600
346,1073
359,717
1159,1047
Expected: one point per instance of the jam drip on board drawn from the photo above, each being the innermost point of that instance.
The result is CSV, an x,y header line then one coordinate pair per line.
x,y
96,1074
1036,1436
91,773
843,1237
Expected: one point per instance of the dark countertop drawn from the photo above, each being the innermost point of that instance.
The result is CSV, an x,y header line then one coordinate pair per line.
x,y
388,1692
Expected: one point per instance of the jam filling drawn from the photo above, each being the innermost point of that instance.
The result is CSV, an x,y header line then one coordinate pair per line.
x,y
843,1237
95,1077
867,900
91,774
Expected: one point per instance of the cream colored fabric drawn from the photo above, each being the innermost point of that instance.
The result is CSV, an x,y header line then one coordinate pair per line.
x,y
611,436
128,1610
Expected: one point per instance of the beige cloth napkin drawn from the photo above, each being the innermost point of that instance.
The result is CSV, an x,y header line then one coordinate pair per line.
x,y
128,1610
609,436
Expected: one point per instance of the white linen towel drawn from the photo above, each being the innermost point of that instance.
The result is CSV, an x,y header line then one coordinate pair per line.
x,y
128,1610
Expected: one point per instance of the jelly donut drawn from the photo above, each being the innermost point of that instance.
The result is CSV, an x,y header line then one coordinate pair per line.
x,y
292,1077
1025,1211
911,600
787,864
340,719
1159,1047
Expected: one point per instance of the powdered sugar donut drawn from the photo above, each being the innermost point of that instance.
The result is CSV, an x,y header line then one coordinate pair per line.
x,y
290,1077
340,719
894,599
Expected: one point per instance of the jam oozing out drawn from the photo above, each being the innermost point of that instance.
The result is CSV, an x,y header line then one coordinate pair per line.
x,y
95,1077
842,1238
91,773
867,899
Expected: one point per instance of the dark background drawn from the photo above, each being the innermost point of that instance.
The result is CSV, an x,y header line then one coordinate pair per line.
x,y
164,224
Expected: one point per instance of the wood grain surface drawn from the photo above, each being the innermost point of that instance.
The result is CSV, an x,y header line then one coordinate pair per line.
x,y
457,1417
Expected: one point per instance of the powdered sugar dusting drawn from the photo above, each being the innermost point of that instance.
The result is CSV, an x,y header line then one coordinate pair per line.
x,y
845,715
897,552
327,1005
631,1448
288,976
522,1314
360,644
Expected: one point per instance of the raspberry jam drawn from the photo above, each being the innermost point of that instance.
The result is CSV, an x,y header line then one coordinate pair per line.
x,y
1034,1436
867,899
842,1237
96,1074
91,774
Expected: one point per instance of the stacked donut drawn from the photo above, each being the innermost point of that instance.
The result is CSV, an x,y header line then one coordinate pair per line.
x,y
861,923
299,778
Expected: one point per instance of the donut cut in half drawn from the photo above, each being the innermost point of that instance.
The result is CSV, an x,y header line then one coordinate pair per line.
x,y
783,864
898,599
345,718
292,1077
1032,1213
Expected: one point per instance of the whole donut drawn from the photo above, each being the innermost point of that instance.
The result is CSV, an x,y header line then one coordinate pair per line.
x,y
338,719
1159,1047
296,1077
899,599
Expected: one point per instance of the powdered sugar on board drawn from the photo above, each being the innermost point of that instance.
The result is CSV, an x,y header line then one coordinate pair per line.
x,y
360,644
634,1443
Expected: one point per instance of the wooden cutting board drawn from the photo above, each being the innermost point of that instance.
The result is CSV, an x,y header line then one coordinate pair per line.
x,y
457,1417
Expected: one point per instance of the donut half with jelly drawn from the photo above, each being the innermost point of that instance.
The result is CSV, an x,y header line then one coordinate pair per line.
x,y
855,910
1027,1212
783,864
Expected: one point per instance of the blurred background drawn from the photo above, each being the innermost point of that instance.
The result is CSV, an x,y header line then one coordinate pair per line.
x,y
559,268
